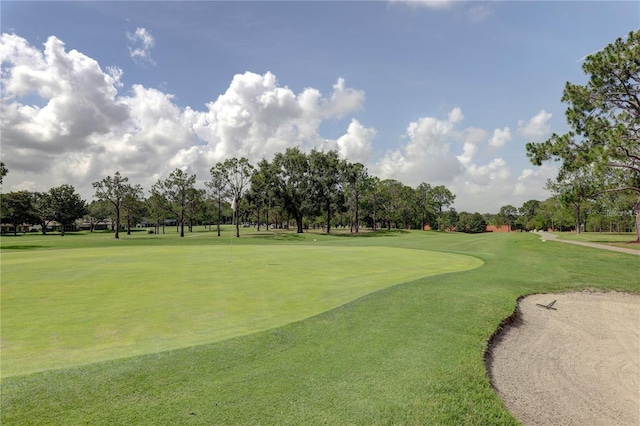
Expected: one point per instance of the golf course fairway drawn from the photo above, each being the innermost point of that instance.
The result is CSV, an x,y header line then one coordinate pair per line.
x,y
68,307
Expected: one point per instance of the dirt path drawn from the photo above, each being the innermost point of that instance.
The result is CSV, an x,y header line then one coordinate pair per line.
x,y
552,237
576,365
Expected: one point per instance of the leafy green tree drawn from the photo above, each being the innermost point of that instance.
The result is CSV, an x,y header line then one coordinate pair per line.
x,y
372,201
604,116
423,204
196,206
507,215
527,214
66,205
173,192
471,223
99,211
43,210
156,206
132,205
326,173
113,189
294,184
356,183
575,189
441,198
3,171
218,187
17,208
450,219
236,175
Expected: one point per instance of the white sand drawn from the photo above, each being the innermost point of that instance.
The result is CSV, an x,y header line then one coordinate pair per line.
x,y
577,365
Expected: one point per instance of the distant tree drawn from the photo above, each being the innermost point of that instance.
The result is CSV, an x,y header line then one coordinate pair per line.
x,y
43,210
372,201
390,197
604,116
218,187
441,198
326,173
99,211
236,175
3,171
471,223
156,206
424,204
174,192
113,189
450,219
293,184
575,189
66,205
132,205
507,215
527,213
17,209
356,183
195,207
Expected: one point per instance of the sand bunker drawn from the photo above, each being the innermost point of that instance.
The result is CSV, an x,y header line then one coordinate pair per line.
x,y
576,365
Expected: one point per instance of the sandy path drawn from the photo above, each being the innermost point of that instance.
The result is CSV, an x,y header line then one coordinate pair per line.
x,y
577,365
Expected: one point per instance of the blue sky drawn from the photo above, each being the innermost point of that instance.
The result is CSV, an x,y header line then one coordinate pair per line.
x,y
442,92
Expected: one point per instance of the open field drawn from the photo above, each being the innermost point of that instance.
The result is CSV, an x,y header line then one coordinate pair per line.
x,y
407,351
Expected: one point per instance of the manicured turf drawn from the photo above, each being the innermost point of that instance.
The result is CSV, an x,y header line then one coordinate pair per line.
x,y
619,240
406,354
61,308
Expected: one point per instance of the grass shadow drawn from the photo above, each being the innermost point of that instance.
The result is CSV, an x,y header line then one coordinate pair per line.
x,y
22,247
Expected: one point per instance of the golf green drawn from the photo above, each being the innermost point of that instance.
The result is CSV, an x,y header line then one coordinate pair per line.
x,y
67,307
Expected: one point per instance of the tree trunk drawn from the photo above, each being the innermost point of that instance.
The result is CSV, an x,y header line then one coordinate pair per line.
x,y
235,214
638,220
577,208
117,222
219,213
328,218
299,223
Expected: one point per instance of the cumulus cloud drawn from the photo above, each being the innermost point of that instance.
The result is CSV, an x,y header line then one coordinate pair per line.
x,y
537,126
141,43
65,121
75,100
500,137
427,156
355,145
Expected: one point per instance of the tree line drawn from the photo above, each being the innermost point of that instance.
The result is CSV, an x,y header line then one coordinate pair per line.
x,y
315,189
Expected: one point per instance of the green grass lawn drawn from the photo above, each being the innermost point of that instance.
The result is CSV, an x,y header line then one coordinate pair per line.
x,y
614,239
403,352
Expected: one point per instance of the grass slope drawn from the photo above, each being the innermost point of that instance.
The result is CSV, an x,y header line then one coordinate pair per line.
x,y
408,354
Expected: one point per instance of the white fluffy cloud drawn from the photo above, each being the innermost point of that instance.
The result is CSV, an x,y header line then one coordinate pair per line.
x,y
500,137
427,156
65,121
439,152
537,126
